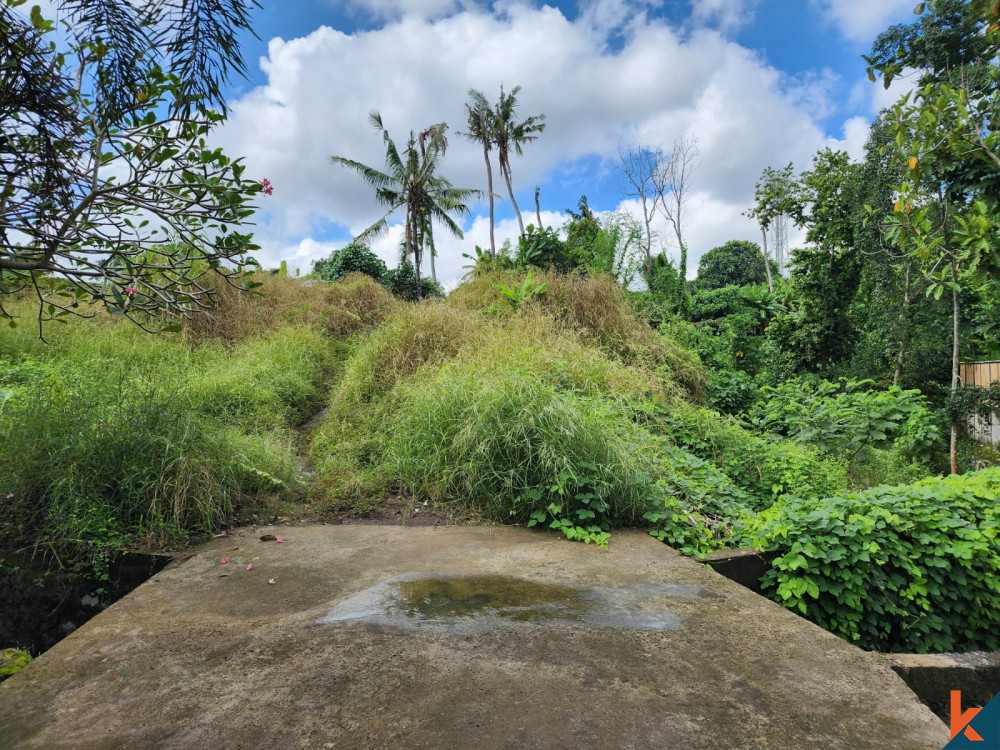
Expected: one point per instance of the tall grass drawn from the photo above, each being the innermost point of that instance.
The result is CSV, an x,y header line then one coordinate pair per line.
x,y
595,308
112,437
508,445
355,305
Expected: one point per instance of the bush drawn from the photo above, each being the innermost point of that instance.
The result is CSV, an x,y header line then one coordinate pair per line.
x,y
765,467
354,258
402,282
846,418
905,568
731,391
703,510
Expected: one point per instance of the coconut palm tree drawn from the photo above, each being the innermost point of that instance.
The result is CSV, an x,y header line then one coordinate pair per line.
x,y
410,181
508,133
480,122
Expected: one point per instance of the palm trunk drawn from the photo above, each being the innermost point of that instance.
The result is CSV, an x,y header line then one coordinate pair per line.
x,y
415,234
538,208
434,276
510,192
489,188
767,261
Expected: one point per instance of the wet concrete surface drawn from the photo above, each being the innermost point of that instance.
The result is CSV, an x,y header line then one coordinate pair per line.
x,y
453,637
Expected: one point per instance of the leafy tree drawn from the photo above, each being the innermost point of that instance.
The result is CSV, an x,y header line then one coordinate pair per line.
x,y
542,248
110,193
947,215
402,282
826,278
508,133
353,258
737,263
582,229
411,182
777,193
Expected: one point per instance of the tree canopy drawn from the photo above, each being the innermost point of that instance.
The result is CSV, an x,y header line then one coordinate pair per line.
x,y
736,263
111,193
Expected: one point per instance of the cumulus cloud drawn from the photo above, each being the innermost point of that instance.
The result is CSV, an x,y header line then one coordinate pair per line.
x,y
656,83
863,20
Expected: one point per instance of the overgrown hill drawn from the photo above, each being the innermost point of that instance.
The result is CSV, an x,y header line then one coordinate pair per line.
x,y
542,399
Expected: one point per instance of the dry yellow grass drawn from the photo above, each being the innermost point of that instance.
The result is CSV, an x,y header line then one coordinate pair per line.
x,y
594,307
354,305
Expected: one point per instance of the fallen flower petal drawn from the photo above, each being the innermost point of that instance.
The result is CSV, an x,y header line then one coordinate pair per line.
x,y
270,581
250,566
279,540
223,561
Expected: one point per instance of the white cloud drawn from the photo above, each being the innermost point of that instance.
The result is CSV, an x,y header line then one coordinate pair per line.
x,y
855,136
863,20
727,15
652,86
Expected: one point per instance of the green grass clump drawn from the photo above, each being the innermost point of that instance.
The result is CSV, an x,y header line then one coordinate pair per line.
x,y
272,381
12,661
516,448
595,308
114,438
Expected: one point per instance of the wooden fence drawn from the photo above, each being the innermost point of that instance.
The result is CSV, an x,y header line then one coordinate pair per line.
x,y
982,374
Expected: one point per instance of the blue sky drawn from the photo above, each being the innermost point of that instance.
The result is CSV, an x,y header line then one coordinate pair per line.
x,y
756,82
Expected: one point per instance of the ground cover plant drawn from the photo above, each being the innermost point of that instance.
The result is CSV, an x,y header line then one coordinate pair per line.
x,y
893,568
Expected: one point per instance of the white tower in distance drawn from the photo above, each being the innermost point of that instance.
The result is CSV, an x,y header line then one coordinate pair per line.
x,y
779,239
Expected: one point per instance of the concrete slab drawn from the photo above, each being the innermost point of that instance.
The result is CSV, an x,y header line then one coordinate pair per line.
x,y
457,637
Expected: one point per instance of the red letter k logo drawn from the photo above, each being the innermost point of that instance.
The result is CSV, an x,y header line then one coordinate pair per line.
x,y
960,721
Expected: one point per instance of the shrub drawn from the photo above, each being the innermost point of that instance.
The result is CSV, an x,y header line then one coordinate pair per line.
x,y
846,418
702,510
731,391
905,568
765,467
402,282
353,258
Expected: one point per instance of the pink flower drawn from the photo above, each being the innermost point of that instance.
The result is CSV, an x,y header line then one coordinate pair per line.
x,y
131,290
11,494
270,581
265,187
250,566
279,540
223,561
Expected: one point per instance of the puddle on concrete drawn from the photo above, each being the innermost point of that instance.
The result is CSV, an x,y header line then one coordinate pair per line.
x,y
473,604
